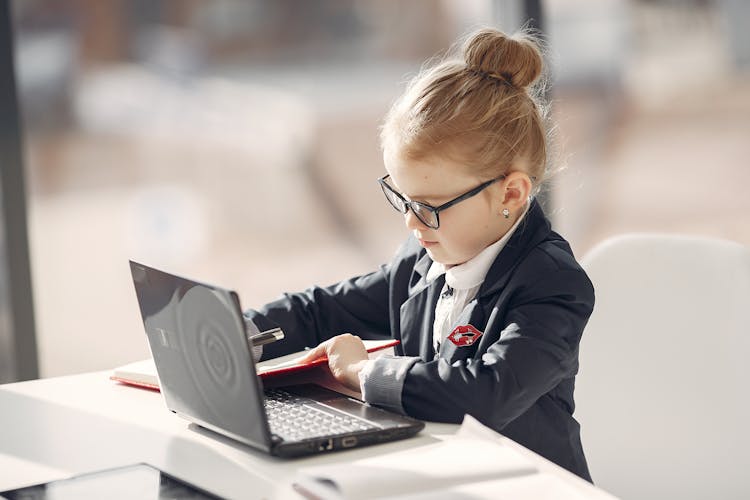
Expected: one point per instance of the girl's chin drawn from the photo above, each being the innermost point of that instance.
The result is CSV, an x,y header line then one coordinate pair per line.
x,y
440,257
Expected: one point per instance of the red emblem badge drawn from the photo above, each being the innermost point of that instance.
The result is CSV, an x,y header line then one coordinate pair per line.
x,y
464,335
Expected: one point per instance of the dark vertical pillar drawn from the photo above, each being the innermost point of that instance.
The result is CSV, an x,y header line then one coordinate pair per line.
x,y
16,305
534,14
510,15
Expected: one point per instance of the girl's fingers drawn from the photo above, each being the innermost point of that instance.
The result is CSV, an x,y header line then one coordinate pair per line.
x,y
315,353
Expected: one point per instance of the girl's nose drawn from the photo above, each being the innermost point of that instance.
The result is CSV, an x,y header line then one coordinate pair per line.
x,y
412,221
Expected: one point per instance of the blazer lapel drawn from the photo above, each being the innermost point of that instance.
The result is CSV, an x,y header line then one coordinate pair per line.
x,y
417,313
418,279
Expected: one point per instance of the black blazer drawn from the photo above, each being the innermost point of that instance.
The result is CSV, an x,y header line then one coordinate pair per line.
x,y
517,378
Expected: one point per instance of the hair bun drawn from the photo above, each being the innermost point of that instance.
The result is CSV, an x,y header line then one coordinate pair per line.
x,y
516,59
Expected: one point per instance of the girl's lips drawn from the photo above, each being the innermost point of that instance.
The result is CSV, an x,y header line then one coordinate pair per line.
x,y
427,244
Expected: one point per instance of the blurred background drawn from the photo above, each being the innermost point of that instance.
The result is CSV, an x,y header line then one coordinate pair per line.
x,y
236,141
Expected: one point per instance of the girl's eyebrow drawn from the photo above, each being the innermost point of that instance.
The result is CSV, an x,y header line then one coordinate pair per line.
x,y
419,197
433,197
410,197
423,198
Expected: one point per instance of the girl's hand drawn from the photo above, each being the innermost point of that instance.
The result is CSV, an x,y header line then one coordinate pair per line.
x,y
346,358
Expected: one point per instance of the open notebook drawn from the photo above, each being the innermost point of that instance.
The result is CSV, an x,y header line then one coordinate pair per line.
x,y
143,373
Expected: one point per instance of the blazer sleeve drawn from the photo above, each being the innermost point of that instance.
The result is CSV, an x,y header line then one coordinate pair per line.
x,y
358,306
536,349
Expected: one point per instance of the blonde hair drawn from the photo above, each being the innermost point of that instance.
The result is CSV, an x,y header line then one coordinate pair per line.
x,y
481,107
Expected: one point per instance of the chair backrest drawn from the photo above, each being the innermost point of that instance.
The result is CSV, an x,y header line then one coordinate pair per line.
x,y
662,392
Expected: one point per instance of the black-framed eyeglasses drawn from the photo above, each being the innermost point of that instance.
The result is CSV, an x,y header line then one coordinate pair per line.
x,y
427,214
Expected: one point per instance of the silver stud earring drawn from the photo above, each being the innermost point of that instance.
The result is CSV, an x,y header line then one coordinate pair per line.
x,y
506,213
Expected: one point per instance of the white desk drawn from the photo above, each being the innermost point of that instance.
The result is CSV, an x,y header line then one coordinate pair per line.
x,y
53,428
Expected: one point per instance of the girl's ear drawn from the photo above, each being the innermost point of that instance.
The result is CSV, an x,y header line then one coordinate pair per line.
x,y
517,186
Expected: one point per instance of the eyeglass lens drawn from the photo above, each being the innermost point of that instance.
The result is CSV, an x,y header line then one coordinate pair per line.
x,y
428,217
423,213
394,200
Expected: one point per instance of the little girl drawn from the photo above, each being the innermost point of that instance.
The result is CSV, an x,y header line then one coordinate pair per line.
x,y
488,302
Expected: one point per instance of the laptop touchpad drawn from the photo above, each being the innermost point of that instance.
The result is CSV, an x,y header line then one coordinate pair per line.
x,y
366,412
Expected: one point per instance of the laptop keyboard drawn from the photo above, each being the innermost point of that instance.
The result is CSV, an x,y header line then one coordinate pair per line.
x,y
294,418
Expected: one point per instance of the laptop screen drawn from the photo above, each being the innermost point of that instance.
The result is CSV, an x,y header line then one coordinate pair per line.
x,y
197,338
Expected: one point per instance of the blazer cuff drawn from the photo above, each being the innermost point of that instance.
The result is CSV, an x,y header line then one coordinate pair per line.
x,y
382,379
257,351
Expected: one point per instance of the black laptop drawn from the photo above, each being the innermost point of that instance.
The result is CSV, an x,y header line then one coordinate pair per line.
x,y
198,339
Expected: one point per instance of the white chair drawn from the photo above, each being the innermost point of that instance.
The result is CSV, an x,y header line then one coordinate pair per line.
x,y
662,393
